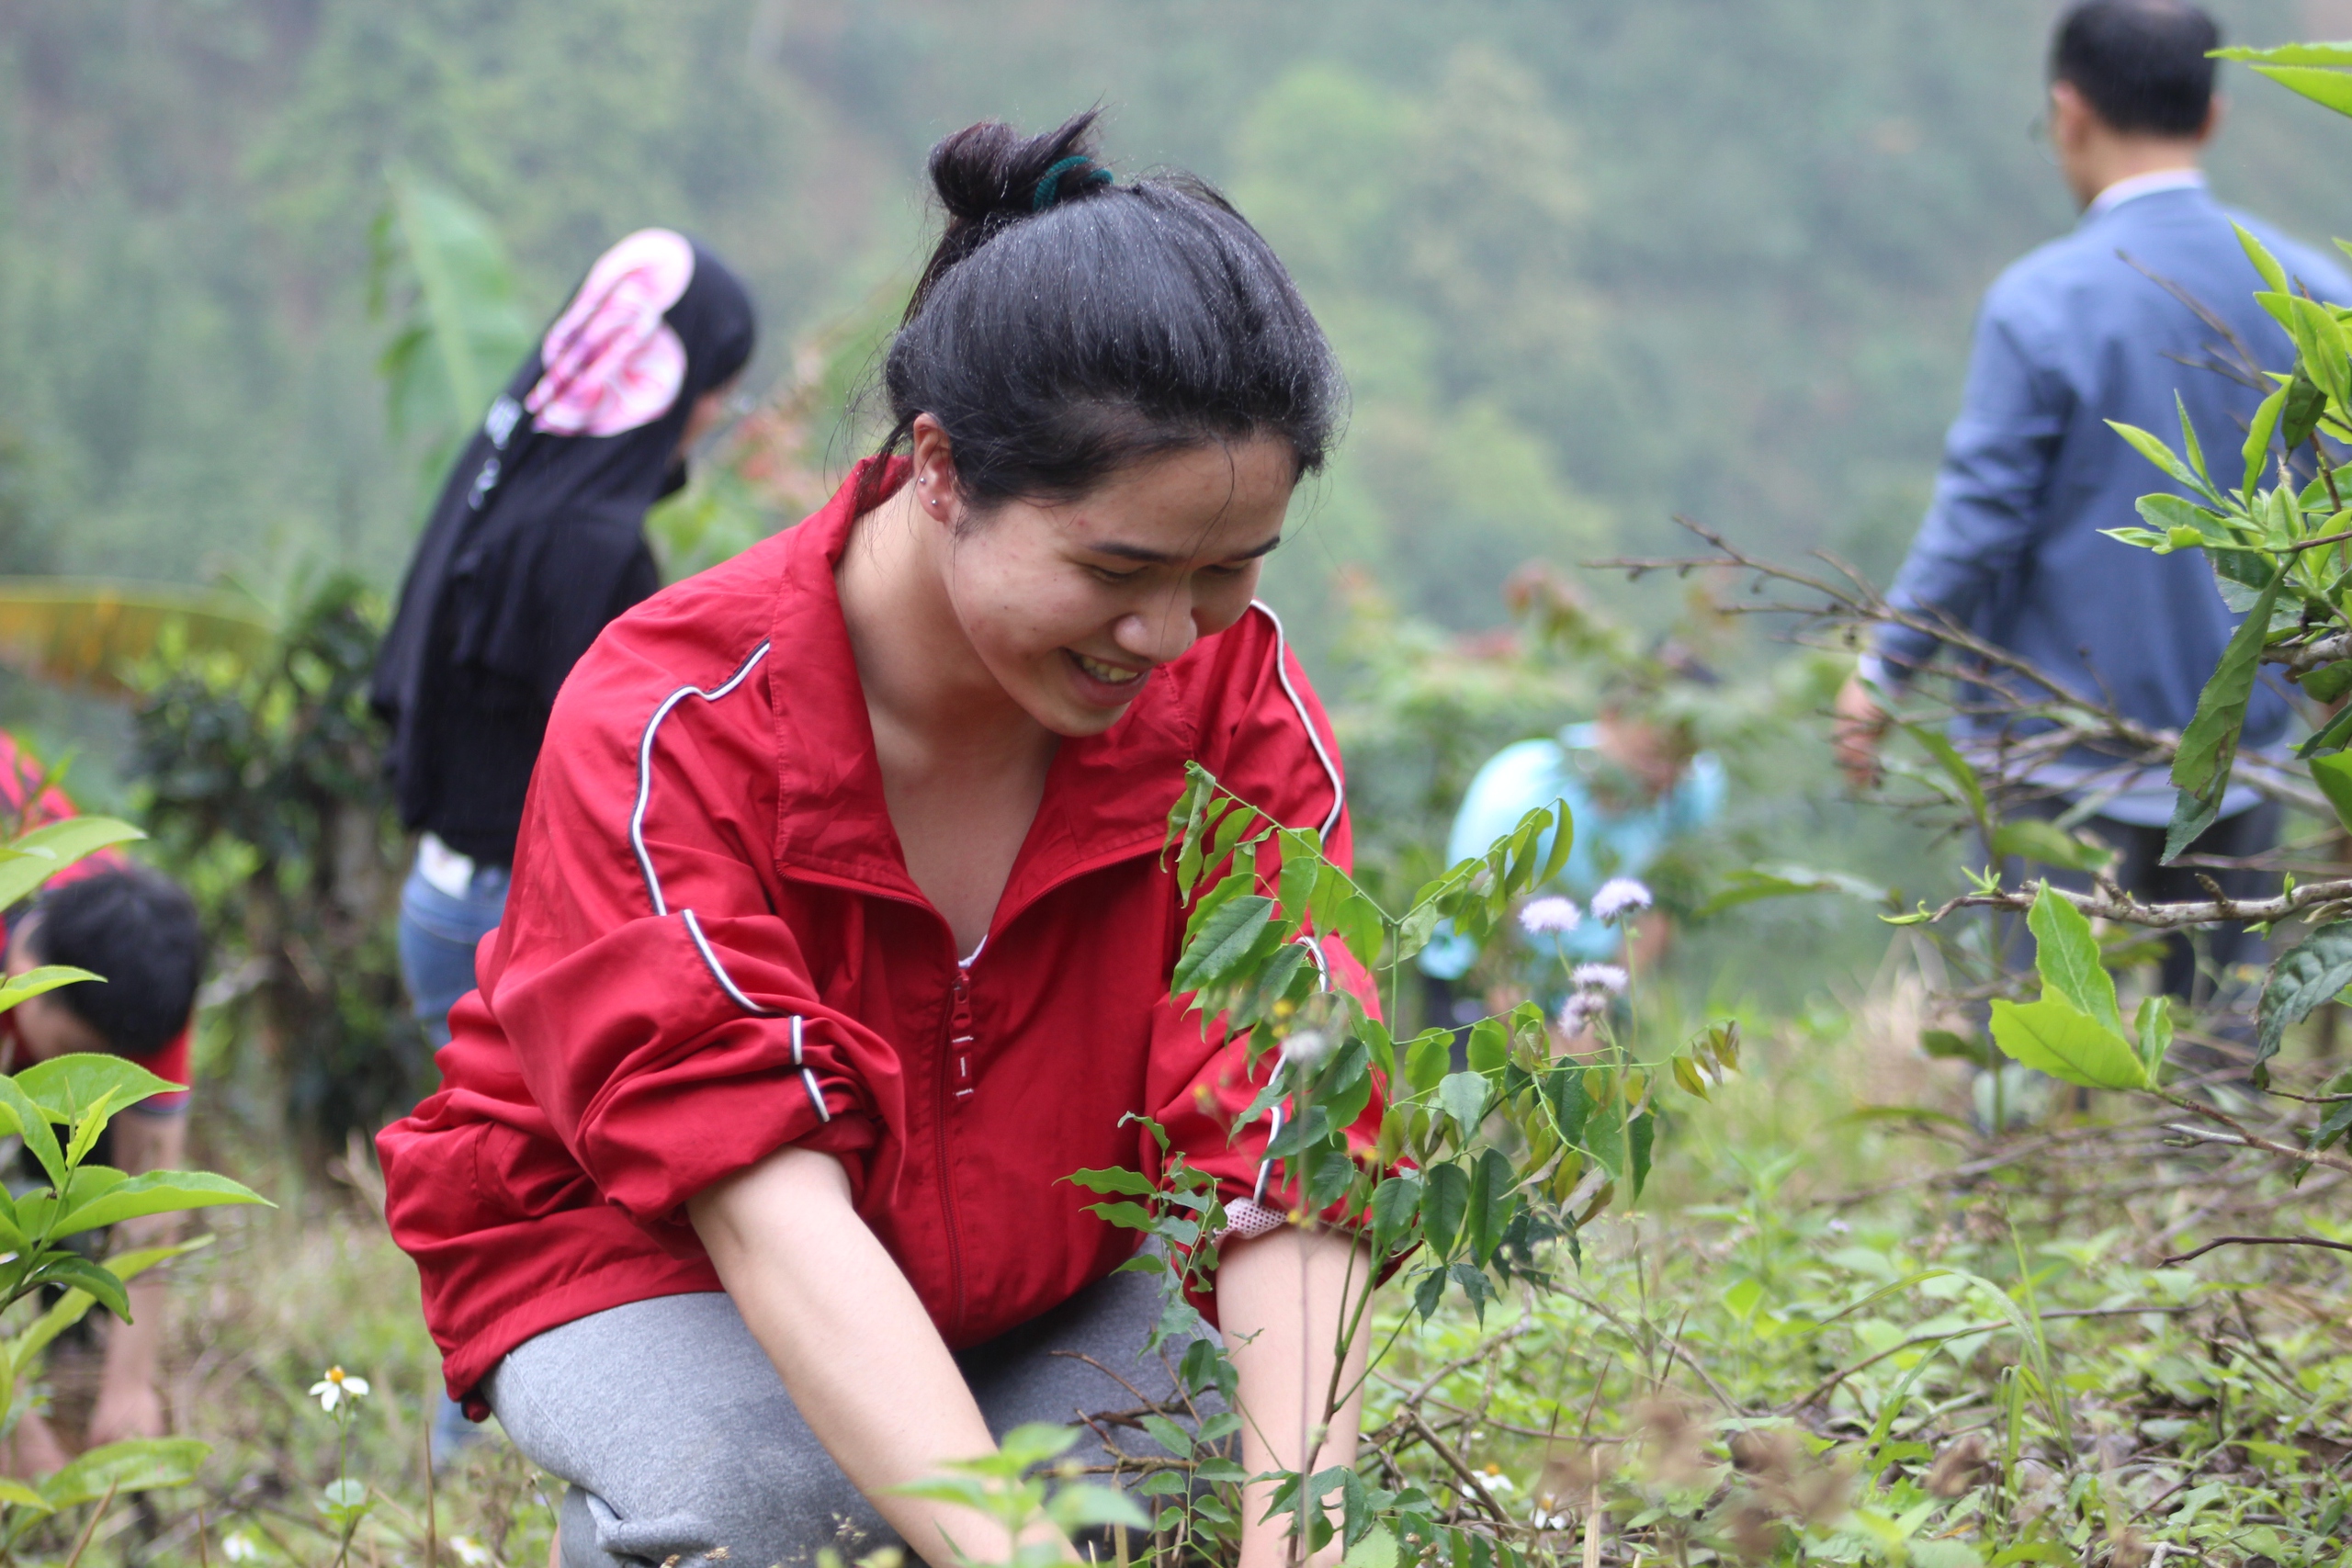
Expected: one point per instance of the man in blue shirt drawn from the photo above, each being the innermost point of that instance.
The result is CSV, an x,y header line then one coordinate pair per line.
x,y
2075,334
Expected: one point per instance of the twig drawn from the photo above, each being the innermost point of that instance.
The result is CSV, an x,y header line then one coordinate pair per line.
x,y
1460,1467
2258,1241
92,1527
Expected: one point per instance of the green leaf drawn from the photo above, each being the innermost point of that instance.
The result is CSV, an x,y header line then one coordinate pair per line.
x,y
1955,766
1564,1093
73,1269
32,1125
1640,1132
1393,1204
2051,1037
2290,53
2209,746
2033,838
37,982
1429,1059
2333,773
1169,1436
2321,341
2331,89
1944,1045
2156,452
142,1464
1748,884
2328,682
85,1132
2068,956
462,330
1489,1045
2264,262
155,1192
2305,405
2305,975
1445,1199
1490,1204
1463,1096
47,850
17,1494
2154,1029
2331,737
1223,945
1134,1184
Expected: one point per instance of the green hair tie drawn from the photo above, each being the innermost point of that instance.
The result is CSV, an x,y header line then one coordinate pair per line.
x,y
1049,184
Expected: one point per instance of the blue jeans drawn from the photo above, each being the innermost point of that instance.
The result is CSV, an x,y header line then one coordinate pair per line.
x,y
437,935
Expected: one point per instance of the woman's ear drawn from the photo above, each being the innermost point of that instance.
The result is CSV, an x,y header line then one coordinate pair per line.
x,y
937,496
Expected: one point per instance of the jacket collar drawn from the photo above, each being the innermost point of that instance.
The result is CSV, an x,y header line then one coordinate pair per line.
x,y
1106,798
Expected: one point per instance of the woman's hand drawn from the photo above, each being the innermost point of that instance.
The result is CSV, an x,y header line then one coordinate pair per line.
x,y
1281,1300
850,1340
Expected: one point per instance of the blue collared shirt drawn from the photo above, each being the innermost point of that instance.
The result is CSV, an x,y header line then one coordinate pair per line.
x,y
2070,337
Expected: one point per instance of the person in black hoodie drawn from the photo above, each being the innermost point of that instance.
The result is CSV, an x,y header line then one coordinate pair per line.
x,y
536,544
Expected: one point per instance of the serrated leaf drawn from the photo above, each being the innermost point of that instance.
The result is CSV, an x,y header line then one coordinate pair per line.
x,y
155,1192
32,1125
2067,955
2049,1036
2257,449
2155,1029
78,1272
2209,746
2156,452
147,1463
2305,975
50,849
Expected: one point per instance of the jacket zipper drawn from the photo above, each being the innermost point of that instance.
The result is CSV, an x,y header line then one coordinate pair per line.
x,y
955,1089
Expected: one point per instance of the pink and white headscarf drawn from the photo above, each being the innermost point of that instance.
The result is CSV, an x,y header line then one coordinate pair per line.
x,y
611,362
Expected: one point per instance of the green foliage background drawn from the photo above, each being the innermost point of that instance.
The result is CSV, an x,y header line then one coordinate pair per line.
x,y
1589,263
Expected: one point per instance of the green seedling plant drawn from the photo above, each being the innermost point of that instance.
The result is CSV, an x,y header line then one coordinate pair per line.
x,y
1471,1177
76,1095
1042,1505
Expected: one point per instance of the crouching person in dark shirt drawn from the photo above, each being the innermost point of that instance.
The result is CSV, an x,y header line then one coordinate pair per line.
x,y
137,927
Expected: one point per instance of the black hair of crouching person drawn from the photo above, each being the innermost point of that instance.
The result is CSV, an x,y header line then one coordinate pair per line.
x,y
140,930
2143,66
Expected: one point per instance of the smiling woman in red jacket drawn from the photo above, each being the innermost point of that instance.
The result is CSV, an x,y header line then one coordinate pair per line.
x,y
839,935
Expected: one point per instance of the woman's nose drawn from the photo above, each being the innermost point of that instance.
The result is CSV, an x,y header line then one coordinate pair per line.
x,y
1160,636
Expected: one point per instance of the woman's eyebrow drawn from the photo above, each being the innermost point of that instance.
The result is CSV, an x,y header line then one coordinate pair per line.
x,y
1162,558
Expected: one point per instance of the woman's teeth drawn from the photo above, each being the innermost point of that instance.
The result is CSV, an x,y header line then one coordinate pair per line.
x,y
1109,674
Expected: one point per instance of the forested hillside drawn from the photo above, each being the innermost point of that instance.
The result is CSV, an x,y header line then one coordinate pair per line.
x,y
1588,263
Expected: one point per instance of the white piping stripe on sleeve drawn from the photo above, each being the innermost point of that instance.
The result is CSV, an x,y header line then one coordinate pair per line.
x,y
645,767
735,994
1281,672
726,982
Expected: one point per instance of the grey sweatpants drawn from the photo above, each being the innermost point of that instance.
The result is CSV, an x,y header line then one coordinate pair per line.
x,y
678,1439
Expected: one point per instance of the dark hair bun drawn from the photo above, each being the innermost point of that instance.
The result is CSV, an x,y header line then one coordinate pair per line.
x,y
988,174
1069,324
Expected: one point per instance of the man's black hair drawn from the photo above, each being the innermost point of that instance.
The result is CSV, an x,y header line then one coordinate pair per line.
x,y
138,929
2142,65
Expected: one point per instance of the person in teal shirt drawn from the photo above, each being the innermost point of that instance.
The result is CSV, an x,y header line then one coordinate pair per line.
x,y
1632,786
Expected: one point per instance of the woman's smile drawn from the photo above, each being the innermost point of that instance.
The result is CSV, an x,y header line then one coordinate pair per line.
x,y
1112,685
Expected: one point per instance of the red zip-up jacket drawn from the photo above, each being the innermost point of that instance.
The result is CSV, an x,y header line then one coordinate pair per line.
x,y
713,950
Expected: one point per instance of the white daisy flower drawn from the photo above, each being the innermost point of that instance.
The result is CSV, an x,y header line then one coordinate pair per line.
x,y
337,1386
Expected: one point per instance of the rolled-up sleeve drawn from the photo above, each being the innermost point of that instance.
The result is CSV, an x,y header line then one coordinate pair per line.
x,y
670,1049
